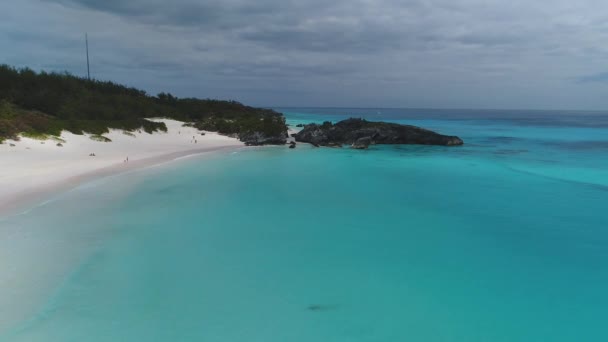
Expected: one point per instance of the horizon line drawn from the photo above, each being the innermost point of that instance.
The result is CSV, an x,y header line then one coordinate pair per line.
x,y
431,108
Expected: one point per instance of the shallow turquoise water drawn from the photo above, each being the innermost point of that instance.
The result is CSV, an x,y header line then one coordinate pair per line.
x,y
503,239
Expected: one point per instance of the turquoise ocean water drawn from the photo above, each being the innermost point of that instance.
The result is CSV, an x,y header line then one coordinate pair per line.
x,y
503,239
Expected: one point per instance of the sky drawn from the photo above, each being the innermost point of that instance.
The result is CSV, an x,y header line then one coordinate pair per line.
x,y
502,54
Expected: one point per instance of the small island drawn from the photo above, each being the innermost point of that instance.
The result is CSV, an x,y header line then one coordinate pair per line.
x,y
360,133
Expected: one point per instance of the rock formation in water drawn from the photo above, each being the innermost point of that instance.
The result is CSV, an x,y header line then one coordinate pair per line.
x,y
257,138
361,133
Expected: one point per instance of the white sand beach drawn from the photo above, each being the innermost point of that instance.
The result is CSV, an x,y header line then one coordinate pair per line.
x,y
32,169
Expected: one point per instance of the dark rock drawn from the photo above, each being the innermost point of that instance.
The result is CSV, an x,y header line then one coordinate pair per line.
x,y
259,138
292,146
293,135
348,132
11,145
59,145
300,125
362,143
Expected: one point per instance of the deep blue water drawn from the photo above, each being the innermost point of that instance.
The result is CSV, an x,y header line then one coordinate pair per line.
x,y
502,239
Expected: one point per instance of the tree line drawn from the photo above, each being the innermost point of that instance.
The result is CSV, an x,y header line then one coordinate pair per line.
x,y
42,103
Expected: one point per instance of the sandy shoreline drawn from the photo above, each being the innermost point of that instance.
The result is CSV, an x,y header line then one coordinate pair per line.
x,y
34,260
33,170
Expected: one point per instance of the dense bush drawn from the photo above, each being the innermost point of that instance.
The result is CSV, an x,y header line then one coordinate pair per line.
x,y
46,103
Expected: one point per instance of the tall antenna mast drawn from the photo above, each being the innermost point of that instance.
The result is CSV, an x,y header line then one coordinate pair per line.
x,y
86,39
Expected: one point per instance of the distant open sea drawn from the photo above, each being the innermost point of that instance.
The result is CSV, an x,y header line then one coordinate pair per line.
x,y
502,239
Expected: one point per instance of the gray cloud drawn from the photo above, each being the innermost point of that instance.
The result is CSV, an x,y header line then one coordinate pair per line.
x,y
416,53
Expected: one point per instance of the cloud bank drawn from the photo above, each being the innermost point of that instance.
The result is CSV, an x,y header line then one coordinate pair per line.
x,y
387,53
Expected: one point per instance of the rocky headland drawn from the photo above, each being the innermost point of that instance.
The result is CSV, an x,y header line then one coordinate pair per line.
x,y
258,138
360,133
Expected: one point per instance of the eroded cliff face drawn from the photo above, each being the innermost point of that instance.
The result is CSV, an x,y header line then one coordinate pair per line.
x,y
361,133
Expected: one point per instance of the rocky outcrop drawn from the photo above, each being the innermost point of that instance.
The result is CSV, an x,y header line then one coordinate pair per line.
x,y
362,143
260,138
361,133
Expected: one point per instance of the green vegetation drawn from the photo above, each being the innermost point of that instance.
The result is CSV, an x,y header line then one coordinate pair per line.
x,y
41,104
100,138
35,135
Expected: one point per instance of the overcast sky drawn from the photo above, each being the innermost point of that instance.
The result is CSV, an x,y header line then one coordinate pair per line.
x,y
359,53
